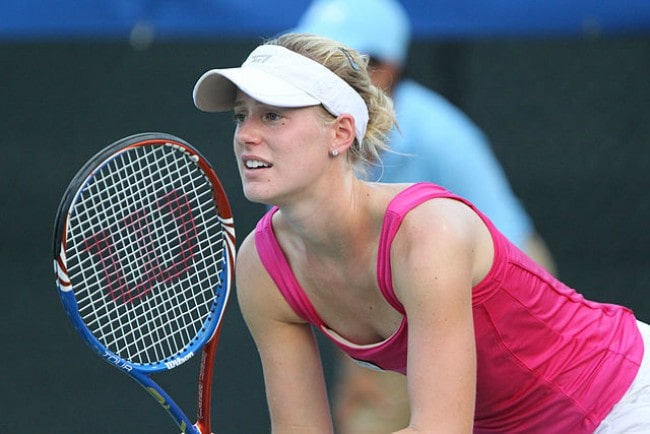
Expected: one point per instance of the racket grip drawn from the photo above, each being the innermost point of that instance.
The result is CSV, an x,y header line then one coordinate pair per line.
x,y
205,383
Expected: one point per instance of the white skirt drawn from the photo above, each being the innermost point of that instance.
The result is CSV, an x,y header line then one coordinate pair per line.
x,y
631,415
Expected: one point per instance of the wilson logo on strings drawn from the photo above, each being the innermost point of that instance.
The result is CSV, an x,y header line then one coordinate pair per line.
x,y
131,274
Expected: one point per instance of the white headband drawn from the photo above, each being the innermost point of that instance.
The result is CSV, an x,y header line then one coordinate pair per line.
x,y
280,77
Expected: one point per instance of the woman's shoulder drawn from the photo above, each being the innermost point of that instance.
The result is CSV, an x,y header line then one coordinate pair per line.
x,y
444,229
441,215
247,255
402,197
422,211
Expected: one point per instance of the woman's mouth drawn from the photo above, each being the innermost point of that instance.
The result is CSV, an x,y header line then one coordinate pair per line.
x,y
256,164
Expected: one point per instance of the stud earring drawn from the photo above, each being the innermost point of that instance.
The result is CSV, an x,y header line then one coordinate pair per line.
x,y
335,152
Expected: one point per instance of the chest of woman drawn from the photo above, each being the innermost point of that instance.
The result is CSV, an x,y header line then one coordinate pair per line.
x,y
347,298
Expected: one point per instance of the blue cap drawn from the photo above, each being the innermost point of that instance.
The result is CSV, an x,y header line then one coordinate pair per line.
x,y
378,28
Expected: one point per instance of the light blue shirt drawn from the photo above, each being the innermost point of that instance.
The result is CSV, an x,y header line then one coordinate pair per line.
x,y
443,146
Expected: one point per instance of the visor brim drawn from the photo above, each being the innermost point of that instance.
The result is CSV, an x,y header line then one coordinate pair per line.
x,y
216,90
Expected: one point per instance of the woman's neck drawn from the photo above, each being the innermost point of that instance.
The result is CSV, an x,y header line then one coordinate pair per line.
x,y
330,224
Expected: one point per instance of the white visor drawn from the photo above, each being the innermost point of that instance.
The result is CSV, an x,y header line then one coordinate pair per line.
x,y
280,77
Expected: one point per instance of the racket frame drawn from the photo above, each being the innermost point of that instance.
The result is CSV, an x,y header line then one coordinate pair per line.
x,y
207,345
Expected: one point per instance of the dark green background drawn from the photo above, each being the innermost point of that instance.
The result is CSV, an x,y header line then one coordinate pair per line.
x,y
568,118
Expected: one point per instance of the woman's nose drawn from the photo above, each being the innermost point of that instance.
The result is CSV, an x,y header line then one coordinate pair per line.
x,y
247,132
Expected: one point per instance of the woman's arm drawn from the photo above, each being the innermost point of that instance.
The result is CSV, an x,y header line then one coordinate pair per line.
x,y
366,400
293,375
441,251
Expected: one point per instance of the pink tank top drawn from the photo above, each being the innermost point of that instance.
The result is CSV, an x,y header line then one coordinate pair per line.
x,y
548,360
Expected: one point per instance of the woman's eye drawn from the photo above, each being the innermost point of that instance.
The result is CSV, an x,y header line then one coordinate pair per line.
x,y
239,118
271,116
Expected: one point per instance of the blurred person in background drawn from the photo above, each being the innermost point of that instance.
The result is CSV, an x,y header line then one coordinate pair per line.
x,y
434,141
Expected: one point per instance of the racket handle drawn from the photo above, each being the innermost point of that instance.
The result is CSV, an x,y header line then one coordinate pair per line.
x,y
205,383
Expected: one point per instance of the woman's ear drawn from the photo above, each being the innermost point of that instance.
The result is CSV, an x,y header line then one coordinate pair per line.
x,y
344,133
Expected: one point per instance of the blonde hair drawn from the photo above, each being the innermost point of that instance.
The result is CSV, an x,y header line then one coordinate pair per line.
x,y
351,67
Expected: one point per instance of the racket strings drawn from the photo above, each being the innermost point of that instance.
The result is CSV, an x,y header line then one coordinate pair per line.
x,y
148,254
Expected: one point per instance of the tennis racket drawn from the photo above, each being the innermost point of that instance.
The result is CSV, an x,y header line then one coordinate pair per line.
x,y
144,248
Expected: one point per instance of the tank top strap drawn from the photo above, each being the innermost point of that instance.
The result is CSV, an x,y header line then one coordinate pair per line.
x,y
276,265
397,209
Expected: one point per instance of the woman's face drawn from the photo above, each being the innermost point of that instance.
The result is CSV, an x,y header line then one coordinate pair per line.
x,y
281,152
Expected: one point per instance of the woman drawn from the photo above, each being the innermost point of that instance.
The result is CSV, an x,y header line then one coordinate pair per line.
x,y
408,278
